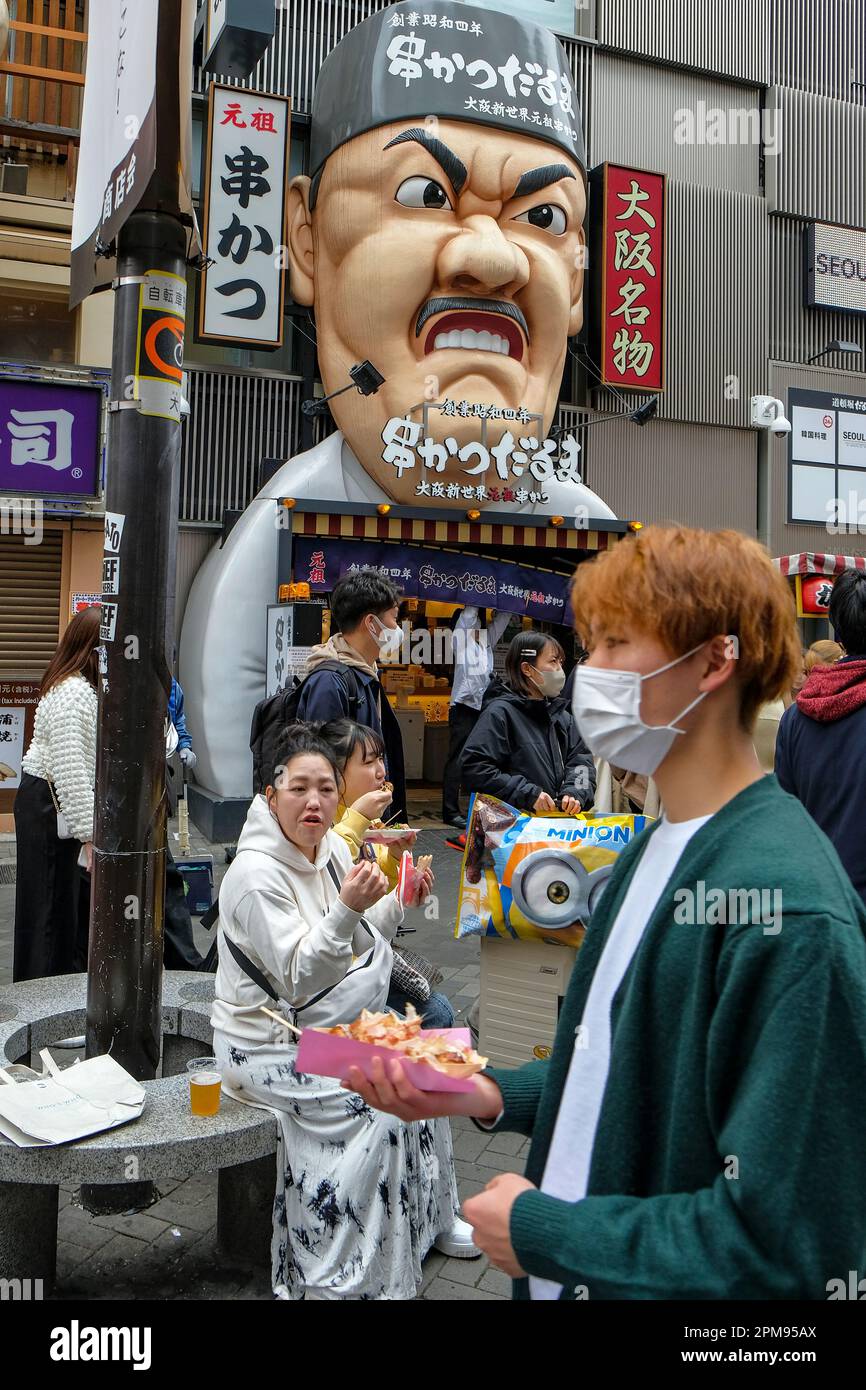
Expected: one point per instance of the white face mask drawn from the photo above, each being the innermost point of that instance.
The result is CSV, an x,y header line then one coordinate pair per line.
x,y
606,708
389,640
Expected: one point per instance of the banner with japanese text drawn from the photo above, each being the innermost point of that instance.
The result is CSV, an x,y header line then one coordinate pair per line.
x,y
630,298
118,152
442,575
243,290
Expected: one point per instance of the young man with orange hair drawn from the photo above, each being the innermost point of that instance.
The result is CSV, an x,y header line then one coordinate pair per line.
x,y
699,1130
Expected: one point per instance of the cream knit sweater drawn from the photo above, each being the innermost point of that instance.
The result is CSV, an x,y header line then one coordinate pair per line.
x,y
63,750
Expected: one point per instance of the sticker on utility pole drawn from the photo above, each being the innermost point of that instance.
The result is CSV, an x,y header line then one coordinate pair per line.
x,y
109,622
111,575
114,522
159,356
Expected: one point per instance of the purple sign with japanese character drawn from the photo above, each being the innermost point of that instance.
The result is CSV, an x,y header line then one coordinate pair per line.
x,y
49,438
442,575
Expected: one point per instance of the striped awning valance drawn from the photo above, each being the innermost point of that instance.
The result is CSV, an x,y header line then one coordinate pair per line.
x,y
816,562
386,528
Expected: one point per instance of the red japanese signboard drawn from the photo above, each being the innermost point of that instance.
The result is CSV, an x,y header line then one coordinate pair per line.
x,y
633,275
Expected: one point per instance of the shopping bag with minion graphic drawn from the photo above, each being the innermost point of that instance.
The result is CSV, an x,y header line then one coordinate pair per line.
x,y
532,878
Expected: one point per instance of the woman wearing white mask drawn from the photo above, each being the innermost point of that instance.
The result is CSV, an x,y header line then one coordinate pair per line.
x,y
525,748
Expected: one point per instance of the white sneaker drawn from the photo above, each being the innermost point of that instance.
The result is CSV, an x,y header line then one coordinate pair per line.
x,y
457,1242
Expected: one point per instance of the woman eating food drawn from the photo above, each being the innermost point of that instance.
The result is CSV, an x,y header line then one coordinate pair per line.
x,y
364,799
361,1198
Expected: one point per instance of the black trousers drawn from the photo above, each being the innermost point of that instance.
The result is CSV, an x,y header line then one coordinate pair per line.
x,y
50,927
461,721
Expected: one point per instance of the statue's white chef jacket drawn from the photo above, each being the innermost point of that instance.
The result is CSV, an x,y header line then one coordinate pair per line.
x,y
223,639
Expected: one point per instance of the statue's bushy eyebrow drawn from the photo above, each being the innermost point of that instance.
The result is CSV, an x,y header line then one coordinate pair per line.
x,y
454,168
535,179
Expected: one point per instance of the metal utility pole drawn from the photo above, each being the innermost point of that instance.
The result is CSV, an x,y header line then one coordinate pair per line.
x,y
128,898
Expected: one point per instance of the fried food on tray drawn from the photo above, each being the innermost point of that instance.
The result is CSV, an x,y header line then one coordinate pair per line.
x,y
404,1035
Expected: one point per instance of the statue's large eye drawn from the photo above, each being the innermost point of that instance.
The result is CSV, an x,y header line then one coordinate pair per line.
x,y
548,216
421,192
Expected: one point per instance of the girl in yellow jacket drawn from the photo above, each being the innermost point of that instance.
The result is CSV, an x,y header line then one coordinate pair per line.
x,y
365,796
360,755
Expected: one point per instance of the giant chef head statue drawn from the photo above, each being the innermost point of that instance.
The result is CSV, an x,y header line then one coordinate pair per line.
x,y
440,235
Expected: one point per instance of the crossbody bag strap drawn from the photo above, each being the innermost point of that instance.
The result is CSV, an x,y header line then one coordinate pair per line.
x,y
250,969
255,974
338,885
53,796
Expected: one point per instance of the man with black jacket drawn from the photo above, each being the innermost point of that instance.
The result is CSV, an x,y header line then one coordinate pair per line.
x,y
526,748
342,679
821,743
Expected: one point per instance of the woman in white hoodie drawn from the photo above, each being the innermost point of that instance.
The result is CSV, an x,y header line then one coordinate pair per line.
x,y
361,1197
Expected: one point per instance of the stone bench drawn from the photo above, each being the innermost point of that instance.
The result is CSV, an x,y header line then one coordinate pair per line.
x,y
167,1141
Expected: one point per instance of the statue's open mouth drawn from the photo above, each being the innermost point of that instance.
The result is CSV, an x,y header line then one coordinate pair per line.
x,y
479,325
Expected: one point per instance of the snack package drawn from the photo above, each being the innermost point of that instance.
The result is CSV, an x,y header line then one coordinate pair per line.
x,y
410,876
534,878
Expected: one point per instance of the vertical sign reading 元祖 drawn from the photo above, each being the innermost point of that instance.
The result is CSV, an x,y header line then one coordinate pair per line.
x,y
243,291
633,274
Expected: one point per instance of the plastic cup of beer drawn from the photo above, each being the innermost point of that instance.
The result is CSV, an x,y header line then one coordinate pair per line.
x,y
204,1085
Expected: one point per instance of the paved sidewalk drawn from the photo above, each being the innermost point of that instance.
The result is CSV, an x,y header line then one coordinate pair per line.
x,y
169,1251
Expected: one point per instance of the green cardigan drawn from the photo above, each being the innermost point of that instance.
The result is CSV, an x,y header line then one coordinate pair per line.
x,y
730,1155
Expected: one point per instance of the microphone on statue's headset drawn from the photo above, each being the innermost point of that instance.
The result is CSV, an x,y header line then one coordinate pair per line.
x,y
365,378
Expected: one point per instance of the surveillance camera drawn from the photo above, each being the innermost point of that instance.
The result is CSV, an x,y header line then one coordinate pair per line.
x,y
780,425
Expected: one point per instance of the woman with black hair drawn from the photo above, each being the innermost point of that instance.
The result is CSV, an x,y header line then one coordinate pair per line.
x,y
360,1198
54,811
525,748
365,795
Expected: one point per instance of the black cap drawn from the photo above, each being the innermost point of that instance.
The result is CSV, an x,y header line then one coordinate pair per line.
x,y
448,60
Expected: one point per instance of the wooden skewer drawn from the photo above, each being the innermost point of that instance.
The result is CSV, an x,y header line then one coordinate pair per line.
x,y
278,1018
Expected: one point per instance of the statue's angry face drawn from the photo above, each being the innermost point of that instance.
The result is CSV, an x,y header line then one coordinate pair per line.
x,y
451,255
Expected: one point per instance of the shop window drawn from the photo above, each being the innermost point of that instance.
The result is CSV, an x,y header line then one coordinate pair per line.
x,y
35,329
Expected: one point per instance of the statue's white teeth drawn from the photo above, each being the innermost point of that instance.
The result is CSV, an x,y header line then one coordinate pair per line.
x,y
477,342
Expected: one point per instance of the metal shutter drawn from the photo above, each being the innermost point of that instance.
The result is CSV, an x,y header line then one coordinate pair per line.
x,y
29,603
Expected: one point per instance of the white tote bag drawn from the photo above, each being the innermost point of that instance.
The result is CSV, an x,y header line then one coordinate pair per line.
x,y
57,1106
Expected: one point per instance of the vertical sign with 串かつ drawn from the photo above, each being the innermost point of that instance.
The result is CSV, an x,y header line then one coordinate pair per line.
x,y
159,358
243,290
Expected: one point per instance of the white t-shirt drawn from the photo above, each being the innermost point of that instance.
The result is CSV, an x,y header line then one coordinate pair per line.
x,y
566,1172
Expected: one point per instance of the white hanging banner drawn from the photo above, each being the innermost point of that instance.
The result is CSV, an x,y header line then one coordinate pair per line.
x,y
243,292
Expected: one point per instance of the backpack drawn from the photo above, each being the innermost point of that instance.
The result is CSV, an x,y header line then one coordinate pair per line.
x,y
271,716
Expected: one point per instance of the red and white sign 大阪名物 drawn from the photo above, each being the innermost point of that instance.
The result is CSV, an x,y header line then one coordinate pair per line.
x,y
633,277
